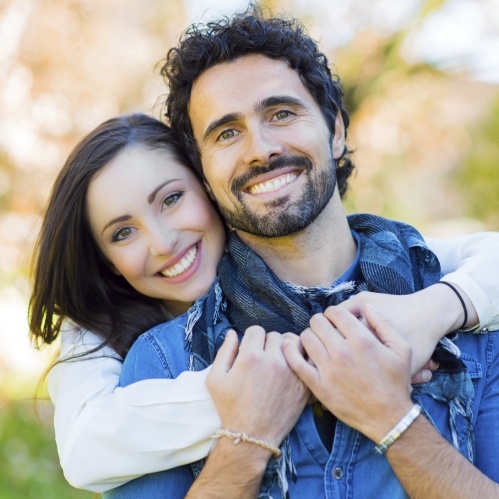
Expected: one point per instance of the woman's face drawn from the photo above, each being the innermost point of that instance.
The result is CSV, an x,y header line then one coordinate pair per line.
x,y
152,219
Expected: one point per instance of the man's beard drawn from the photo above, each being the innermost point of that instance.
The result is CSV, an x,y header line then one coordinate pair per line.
x,y
283,217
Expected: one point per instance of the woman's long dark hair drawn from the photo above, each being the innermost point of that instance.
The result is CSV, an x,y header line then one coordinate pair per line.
x,y
72,278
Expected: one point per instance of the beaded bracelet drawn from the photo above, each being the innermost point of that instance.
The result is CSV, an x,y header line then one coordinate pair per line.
x,y
398,429
243,437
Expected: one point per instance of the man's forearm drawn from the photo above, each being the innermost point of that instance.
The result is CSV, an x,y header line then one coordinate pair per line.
x,y
429,467
232,470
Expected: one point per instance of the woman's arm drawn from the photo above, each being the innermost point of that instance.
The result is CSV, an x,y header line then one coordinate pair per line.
x,y
472,263
107,436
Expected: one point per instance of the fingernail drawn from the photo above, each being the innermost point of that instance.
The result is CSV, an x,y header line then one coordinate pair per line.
x,y
425,375
434,365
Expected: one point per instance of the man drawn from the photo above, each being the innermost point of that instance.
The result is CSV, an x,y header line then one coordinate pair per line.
x,y
264,121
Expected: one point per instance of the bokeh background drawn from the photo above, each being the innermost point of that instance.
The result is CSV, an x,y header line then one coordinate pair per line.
x,y
421,81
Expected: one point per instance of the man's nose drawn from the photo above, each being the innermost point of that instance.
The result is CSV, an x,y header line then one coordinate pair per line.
x,y
261,144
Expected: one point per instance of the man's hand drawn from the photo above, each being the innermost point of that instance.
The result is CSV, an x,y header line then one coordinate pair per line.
x,y
361,377
255,392
253,387
422,318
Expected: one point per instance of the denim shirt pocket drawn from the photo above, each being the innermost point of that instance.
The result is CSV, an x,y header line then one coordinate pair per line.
x,y
447,401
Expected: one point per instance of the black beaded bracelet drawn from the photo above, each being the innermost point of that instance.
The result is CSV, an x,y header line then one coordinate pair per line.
x,y
460,299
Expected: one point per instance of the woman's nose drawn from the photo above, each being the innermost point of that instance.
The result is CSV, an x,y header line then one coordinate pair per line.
x,y
163,241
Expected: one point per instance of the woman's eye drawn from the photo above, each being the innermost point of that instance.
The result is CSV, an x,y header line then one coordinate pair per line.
x,y
171,199
121,234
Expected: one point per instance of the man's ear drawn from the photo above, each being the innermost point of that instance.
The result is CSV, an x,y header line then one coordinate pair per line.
x,y
339,136
208,190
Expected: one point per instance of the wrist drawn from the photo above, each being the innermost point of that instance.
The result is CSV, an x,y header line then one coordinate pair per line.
x,y
238,437
380,426
465,316
445,307
245,456
398,430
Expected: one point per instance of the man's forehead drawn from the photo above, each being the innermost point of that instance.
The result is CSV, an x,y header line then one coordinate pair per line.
x,y
239,85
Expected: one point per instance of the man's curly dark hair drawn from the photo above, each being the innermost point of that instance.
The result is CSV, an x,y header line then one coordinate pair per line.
x,y
203,46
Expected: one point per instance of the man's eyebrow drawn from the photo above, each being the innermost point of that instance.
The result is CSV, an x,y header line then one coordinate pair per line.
x,y
278,100
227,118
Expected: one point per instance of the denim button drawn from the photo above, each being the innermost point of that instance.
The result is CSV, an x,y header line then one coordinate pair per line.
x,y
338,473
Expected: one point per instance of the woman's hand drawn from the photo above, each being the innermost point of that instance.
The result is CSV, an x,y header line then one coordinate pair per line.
x,y
422,318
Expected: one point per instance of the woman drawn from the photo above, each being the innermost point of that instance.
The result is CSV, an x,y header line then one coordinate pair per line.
x,y
130,239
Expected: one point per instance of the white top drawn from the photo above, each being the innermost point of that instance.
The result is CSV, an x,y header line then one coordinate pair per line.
x,y
107,435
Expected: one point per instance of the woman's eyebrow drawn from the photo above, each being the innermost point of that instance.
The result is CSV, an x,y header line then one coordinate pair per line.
x,y
152,196
116,220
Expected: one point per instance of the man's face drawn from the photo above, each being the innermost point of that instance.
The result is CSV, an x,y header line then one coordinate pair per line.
x,y
267,153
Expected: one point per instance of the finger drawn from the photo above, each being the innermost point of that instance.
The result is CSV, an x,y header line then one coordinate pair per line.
x,y
306,372
253,339
225,357
331,336
322,326
315,349
383,328
273,342
422,376
431,365
295,339
347,324
353,305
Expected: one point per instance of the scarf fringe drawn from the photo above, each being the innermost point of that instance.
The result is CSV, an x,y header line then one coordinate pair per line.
x,y
321,290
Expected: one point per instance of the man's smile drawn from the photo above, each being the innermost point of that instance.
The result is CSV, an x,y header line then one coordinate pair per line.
x,y
273,184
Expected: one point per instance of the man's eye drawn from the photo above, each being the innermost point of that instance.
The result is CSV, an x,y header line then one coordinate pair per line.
x,y
121,234
171,199
281,115
227,134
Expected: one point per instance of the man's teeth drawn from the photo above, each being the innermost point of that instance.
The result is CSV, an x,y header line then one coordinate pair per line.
x,y
273,185
183,265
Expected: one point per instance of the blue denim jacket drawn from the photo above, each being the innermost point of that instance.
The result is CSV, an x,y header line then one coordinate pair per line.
x,y
352,469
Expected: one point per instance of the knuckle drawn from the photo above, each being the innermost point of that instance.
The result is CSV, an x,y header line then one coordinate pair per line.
x,y
255,330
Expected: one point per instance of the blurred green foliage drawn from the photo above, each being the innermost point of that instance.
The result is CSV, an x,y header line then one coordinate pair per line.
x,y
478,175
30,465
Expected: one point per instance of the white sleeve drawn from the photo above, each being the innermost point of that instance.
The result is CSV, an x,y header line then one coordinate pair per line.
x,y
106,435
472,262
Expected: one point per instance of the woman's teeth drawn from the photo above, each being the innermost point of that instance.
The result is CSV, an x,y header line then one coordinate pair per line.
x,y
183,265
